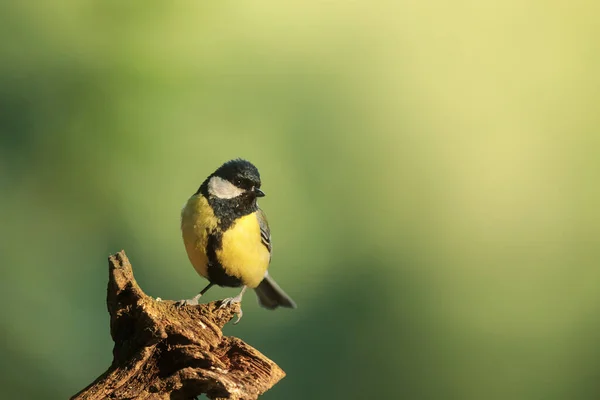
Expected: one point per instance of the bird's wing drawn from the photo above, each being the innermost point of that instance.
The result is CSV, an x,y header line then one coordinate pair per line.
x,y
265,232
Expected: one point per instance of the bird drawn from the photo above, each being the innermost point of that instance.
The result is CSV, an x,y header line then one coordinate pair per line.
x,y
227,236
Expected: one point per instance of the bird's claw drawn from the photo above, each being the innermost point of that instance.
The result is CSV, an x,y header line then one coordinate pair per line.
x,y
229,301
188,302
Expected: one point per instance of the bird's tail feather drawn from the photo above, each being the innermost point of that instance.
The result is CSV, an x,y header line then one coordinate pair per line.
x,y
271,296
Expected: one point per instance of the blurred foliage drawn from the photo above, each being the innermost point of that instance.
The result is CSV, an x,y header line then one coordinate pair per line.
x,y
431,172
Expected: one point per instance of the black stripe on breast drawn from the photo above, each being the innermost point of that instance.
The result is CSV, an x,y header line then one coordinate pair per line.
x,y
216,272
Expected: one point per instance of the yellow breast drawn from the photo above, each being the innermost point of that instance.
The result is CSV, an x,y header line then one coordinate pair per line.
x,y
242,254
197,220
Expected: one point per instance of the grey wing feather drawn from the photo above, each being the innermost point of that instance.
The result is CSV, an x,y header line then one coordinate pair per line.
x,y
265,232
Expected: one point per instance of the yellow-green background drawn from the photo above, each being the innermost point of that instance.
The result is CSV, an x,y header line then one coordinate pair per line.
x,y
431,170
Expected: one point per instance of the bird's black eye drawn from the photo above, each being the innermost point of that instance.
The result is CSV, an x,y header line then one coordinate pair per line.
x,y
238,182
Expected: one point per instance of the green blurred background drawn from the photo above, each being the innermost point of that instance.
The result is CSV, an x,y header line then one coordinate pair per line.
x,y
431,171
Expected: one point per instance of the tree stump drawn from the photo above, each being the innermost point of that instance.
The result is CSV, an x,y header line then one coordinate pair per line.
x,y
167,352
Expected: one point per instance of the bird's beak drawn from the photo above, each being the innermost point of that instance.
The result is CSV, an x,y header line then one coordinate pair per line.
x,y
258,192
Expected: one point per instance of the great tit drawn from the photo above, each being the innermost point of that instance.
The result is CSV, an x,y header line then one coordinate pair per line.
x,y
227,237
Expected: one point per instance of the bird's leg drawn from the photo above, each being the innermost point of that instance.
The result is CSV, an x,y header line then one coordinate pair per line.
x,y
231,300
194,300
237,299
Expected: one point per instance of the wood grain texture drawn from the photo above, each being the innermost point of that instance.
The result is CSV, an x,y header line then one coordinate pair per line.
x,y
167,352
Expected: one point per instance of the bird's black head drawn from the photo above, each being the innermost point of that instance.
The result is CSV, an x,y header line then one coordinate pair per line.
x,y
243,174
236,179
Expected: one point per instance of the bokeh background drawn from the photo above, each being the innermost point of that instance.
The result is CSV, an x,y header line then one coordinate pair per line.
x,y
431,171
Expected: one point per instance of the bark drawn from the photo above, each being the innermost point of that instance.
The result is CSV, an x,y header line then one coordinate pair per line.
x,y
167,352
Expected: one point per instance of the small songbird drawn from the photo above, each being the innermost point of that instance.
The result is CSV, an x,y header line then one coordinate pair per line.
x,y
227,237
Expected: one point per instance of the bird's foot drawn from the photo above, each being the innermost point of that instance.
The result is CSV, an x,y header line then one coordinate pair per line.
x,y
230,301
189,302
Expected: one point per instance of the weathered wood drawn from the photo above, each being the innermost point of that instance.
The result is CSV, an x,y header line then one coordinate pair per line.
x,y
167,352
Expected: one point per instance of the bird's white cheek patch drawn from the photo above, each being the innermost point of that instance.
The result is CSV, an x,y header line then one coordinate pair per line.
x,y
223,189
